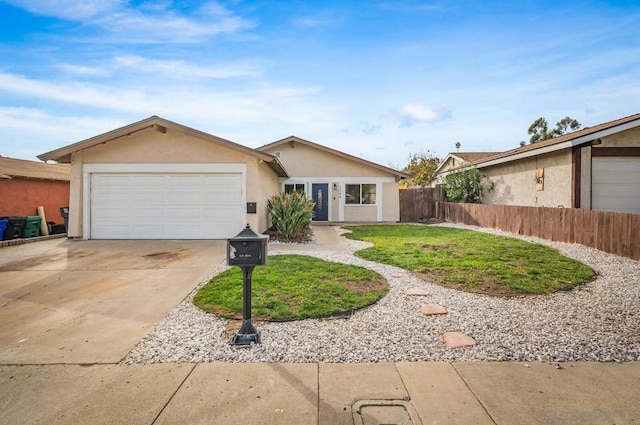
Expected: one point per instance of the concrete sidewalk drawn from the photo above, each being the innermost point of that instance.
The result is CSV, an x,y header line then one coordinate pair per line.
x,y
93,388
223,393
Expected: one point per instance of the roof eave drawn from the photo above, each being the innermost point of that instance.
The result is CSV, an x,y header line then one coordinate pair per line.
x,y
63,155
399,175
578,141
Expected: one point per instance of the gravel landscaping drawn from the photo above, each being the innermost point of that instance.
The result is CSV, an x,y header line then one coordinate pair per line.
x,y
599,321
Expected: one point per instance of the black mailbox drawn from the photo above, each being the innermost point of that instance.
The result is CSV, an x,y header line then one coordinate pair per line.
x,y
247,248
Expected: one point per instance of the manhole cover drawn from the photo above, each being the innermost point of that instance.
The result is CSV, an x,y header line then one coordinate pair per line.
x,y
384,412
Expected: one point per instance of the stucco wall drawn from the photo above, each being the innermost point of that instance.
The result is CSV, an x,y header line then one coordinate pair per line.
x,y
514,182
306,161
360,213
391,202
266,186
174,147
307,164
20,197
629,138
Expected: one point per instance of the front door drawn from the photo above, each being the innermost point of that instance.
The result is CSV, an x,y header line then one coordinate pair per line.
x,y
320,195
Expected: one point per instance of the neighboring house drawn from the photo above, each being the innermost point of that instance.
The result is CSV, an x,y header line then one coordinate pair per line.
x,y
594,168
25,185
456,160
344,187
156,179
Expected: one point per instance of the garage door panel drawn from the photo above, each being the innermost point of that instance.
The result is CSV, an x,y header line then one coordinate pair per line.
x,y
166,206
188,197
615,184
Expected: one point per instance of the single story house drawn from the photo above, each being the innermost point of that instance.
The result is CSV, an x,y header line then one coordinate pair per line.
x,y
25,185
344,187
157,179
455,160
595,168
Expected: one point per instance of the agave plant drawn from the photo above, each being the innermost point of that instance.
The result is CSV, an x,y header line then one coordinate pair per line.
x,y
291,213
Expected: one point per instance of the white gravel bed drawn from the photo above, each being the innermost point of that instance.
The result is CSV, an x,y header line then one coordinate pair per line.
x,y
599,321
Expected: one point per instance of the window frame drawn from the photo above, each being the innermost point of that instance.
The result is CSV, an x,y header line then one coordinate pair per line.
x,y
361,195
295,188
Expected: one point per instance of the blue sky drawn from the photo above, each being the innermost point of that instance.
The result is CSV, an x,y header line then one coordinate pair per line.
x,y
376,79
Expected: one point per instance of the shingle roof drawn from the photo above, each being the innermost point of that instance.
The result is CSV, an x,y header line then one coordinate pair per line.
x,y
472,156
581,136
12,167
160,124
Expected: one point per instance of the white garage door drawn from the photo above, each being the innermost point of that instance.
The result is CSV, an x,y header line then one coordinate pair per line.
x,y
166,205
615,184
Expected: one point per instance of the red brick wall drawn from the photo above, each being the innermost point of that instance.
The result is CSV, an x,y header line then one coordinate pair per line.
x,y
22,196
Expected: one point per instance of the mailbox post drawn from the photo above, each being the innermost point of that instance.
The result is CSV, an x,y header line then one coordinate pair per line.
x,y
246,250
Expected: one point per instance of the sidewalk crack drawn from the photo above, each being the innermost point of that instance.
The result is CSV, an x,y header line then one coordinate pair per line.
x,y
173,395
474,394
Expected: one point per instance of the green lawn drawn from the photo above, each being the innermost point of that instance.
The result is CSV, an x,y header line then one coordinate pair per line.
x,y
292,287
472,261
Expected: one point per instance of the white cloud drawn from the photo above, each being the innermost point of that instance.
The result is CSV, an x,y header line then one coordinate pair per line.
x,y
413,113
75,93
29,132
119,21
73,10
179,69
81,70
317,21
369,128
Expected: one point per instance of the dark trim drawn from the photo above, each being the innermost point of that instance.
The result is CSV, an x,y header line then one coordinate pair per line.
x,y
628,151
576,169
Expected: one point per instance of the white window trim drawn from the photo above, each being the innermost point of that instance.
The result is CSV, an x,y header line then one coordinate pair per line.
x,y
342,182
361,204
88,169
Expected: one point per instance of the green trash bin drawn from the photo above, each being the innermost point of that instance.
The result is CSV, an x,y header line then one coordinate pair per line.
x,y
31,226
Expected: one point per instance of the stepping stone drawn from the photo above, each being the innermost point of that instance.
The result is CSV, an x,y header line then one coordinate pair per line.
x,y
458,340
416,292
432,309
397,275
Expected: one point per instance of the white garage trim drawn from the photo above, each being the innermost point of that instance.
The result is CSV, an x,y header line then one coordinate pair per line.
x,y
89,169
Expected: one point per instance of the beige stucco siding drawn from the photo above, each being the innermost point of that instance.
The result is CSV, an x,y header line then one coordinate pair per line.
x,y
514,182
390,202
306,161
174,147
308,164
75,197
265,186
360,213
629,138
150,146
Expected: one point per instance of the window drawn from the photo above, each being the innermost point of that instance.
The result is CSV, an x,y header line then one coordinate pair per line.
x,y
360,194
290,188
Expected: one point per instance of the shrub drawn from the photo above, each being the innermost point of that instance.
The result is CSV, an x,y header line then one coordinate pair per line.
x,y
466,186
290,213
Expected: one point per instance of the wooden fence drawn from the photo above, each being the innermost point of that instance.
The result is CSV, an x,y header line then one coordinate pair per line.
x,y
420,205
616,233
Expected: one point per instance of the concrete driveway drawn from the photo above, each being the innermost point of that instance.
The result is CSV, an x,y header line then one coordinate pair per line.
x,y
64,301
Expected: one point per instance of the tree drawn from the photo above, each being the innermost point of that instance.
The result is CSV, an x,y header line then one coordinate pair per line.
x,y
422,166
539,130
465,186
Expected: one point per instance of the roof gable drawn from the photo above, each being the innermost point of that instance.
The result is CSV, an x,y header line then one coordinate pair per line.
x,y
294,139
63,155
462,157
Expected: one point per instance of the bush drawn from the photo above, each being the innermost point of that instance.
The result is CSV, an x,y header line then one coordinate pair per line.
x,y
465,186
290,213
